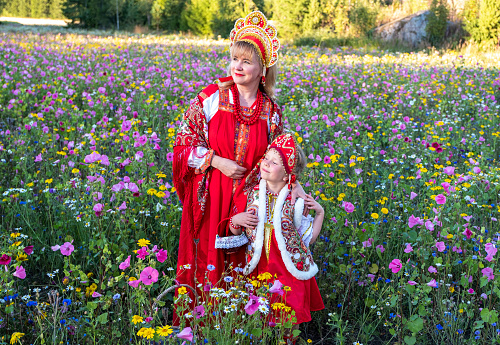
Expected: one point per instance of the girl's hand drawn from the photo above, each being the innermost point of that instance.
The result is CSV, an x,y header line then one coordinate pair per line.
x,y
245,219
297,192
228,167
312,204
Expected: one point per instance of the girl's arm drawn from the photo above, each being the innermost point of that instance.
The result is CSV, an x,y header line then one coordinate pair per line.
x,y
318,219
242,220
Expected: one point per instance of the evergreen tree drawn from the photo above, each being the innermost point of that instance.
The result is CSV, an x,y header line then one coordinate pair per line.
x,y
158,13
289,16
55,9
197,17
228,11
38,8
437,22
313,17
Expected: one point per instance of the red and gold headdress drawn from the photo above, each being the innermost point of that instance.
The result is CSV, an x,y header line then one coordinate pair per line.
x,y
255,30
287,149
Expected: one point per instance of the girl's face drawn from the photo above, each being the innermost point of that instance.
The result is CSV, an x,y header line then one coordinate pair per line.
x,y
272,169
245,70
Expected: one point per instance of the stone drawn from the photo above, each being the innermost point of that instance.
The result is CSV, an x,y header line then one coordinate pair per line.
x,y
408,30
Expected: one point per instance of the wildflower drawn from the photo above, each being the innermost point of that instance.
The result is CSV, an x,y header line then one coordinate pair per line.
x,y
146,332
161,255
136,319
277,288
199,311
408,248
413,195
252,305
67,248
186,334
20,272
395,265
143,242
433,283
210,267
5,259
488,273
164,330
149,275
141,253
384,211
182,290
348,207
15,337
125,264
440,246
440,199
375,215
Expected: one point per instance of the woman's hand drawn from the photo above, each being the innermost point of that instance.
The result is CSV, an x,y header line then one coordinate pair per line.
x,y
228,167
312,204
245,219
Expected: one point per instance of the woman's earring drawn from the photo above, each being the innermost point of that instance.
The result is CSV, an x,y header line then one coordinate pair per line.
x,y
263,81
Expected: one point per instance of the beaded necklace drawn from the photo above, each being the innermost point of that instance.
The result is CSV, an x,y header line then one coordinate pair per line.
x,y
237,108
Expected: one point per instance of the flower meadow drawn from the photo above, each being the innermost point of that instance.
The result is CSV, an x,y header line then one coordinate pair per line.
x,y
403,154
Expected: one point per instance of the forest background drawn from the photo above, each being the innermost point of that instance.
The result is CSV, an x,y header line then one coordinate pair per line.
x,y
306,22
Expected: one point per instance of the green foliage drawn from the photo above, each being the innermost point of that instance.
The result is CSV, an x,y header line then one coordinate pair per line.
x,y
228,11
197,17
436,22
289,16
482,21
362,17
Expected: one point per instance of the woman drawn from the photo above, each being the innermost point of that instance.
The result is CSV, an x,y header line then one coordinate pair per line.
x,y
225,133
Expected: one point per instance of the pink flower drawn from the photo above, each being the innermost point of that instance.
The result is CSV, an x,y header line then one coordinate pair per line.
x,y
488,273
134,283
98,209
38,158
467,233
125,264
101,90
440,199
186,334
432,269
252,305
20,272
471,291
148,319
371,276
55,248
476,170
490,249
28,250
368,243
96,294
149,275
132,187
429,225
104,160
411,282
381,248
433,283
93,157
277,288
408,248
449,170
123,206
440,246
395,265
413,195
142,253
199,311
67,248
348,207
414,221
162,255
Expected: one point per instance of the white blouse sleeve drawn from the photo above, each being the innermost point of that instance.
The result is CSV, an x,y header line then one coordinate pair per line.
x,y
197,157
306,229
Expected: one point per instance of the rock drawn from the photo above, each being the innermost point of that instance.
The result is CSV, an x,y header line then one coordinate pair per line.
x,y
408,30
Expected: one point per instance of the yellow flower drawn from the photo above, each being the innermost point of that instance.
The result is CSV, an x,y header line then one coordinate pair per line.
x,y
182,290
22,257
48,181
15,337
131,279
375,215
151,191
384,210
451,289
146,332
15,244
136,319
160,175
264,276
143,242
75,171
15,234
164,331
299,140
309,341
287,288
461,311
160,194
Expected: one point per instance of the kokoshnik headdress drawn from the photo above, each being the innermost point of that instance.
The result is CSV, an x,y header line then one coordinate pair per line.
x,y
287,149
255,29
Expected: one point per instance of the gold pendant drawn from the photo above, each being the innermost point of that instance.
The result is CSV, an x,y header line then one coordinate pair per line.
x,y
268,230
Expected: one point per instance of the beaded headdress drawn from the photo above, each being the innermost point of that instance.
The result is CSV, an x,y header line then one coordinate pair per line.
x,y
287,149
254,29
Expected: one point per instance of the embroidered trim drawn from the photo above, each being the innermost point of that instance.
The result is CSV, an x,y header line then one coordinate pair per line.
x,y
207,160
229,242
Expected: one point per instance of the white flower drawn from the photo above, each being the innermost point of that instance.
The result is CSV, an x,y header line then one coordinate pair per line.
x,y
263,309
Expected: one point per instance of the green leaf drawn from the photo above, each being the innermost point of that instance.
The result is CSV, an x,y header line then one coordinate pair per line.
x,y
483,281
103,318
410,340
416,324
91,306
369,302
257,332
296,332
373,269
392,331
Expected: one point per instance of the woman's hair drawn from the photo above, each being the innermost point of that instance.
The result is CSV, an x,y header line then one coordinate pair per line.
x,y
242,48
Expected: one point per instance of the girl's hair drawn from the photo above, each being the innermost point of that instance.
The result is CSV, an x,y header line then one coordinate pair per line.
x,y
301,162
242,48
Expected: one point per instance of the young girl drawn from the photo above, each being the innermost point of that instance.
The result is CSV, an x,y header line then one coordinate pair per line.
x,y
278,233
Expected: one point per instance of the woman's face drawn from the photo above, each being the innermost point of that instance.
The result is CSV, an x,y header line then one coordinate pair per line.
x,y
245,70
271,168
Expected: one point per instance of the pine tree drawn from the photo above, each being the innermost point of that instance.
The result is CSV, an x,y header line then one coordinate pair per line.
x,y
197,17
228,11
158,12
55,9
313,17
436,22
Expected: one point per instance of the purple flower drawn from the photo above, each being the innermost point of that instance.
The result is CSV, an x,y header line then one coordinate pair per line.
x,y
429,225
20,272
149,275
413,195
67,248
348,207
432,269
161,255
440,199
411,282
440,246
98,209
199,311
381,248
488,273
414,221
141,253
252,305
408,248
125,264
395,265
433,283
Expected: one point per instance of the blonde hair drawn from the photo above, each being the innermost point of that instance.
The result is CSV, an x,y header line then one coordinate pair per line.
x,y
243,48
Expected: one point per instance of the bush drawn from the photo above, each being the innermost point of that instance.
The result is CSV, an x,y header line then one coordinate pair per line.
x,y
482,21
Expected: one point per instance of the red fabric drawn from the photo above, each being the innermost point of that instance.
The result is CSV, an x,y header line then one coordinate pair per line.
x,y
304,296
219,199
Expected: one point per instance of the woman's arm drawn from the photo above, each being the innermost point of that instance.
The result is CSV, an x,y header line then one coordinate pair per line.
x,y
243,219
228,167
